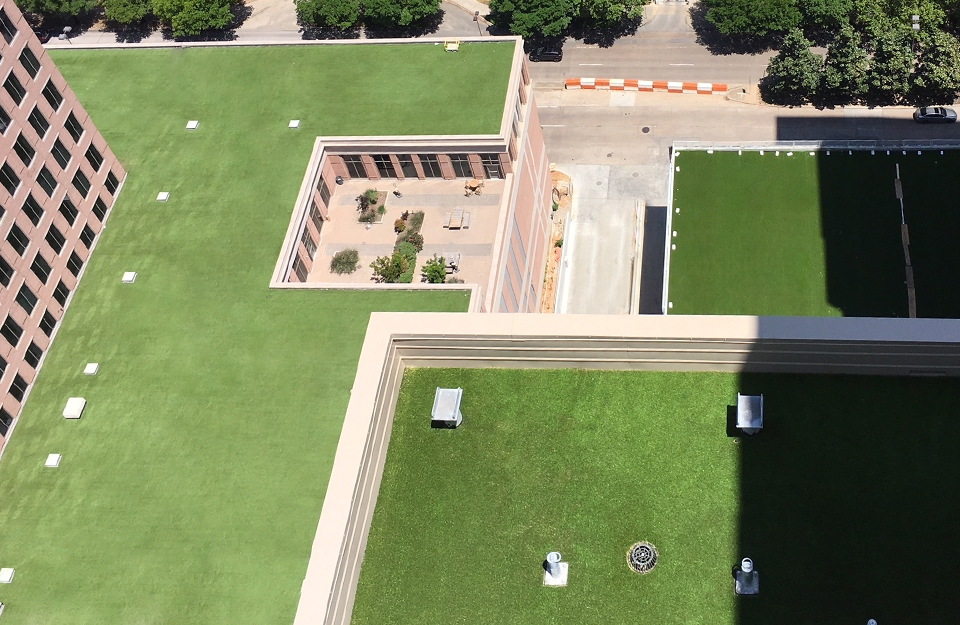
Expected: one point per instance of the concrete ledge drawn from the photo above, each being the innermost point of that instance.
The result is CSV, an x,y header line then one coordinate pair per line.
x,y
394,341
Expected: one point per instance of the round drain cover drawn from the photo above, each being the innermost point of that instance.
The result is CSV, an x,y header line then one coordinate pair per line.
x,y
645,129
642,557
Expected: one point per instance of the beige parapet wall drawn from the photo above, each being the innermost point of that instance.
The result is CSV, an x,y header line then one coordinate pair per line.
x,y
395,341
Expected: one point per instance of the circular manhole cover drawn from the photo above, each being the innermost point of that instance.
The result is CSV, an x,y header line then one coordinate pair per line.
x,y
642,557
646,129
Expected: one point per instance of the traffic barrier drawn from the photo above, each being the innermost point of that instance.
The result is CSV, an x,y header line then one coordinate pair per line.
x,y
628,84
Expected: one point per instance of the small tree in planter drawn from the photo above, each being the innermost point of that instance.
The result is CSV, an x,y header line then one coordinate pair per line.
x,y
399,226
389,268
436,270
416,239
367,205
345,261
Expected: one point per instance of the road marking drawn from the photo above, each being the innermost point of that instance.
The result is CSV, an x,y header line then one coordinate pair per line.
x,y
552,125
590,63
681,65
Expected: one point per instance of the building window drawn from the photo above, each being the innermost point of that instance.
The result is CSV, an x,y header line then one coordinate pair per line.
x,y
100,209
33,210
53,96
4,120
61,153
491,165
324,192
33,355
461,165
30,62
17,239
38,121
47,182
316,217
308,243
11,331
55,239
406,166
94,158
87,235
111,183
47,323
74,128
431,166
74,264
6,272
24,150
68,210
9,179
15,88
6,27
355,166
300,269
41,268
26,299
81,183
18,387
61,293
384,165
6,419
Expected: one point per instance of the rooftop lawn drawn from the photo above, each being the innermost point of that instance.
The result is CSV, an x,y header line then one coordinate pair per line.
x,y
813,234
190,490
844,501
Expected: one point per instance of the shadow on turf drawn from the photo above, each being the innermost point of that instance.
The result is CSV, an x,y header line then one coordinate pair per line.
x,y
848,500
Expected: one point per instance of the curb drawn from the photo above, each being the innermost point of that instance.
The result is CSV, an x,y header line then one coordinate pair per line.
x,y
626,84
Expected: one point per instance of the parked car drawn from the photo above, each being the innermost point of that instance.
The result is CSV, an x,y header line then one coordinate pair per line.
x,y
547,53
42,34
934,115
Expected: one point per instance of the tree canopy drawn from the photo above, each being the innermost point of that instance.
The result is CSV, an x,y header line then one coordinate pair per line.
x,y
793,75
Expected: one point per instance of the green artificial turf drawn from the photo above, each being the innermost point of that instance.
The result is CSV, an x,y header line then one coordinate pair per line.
x,y
190,490
813,234
844,501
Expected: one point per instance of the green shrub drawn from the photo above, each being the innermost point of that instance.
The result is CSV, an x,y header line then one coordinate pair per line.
x,y
345,261
389,268
416,239
381,210
370,195
399,226
368,216
406,277
454,280
436,270
409,251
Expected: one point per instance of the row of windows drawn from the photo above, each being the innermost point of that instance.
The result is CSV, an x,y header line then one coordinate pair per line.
x,y
12,332
430,163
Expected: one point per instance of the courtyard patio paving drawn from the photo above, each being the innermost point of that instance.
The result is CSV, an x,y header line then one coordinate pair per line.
x,y
435,198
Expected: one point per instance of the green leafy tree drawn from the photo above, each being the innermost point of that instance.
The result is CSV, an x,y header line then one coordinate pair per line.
x,y
57,8
126,11
390,268
844,78
436,270
399,12
888,78
753,17
604,13
825,14
870,18
189,18
533,18
936,79
341,14
794,74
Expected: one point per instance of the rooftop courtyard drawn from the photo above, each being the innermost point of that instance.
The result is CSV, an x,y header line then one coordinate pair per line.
x,y
190,490
843,500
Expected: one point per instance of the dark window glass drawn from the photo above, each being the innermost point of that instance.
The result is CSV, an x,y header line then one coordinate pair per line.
x,y
33,355
491,165
74,127
30,62
431,166
4,120
316,217
33,210
47,182
111,183
94,158
18,387
384,165
15,88
100,208
6,419
61,153
47,323
309,243
53,96
24,150
81,183
461,165
355,166
41,268
61,292
17,239
74,264
39,122
26,299
55,239
406,166
324,192
68,210
6,27
6,271
11,331
300,269
9,179
87,235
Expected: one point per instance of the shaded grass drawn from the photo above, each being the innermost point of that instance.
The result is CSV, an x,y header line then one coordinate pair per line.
x,y
190,490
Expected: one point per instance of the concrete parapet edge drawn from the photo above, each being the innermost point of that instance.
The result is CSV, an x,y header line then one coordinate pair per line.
x,y
395,341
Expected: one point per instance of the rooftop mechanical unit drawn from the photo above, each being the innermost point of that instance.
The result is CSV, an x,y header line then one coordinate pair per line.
x,y
446,408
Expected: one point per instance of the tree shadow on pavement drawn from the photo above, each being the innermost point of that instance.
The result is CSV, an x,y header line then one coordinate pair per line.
x,y
604,37
136,32
421,28
718,43
310,32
